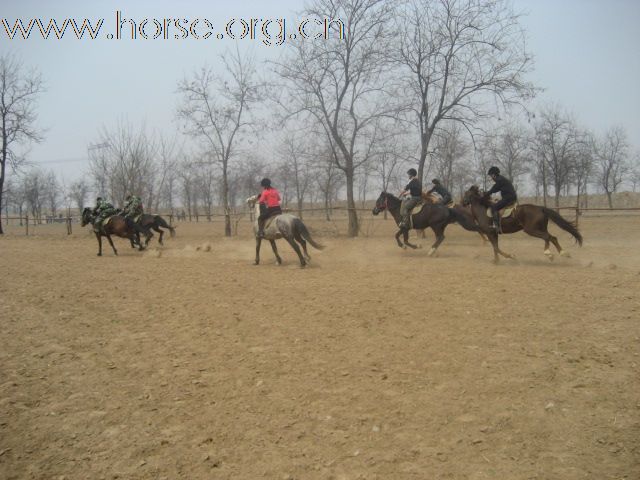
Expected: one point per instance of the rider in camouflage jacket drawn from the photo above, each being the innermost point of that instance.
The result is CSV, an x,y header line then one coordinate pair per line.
x,y
133,207
102,210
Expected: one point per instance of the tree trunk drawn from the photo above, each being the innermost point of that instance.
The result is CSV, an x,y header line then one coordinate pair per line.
x,y
225,201
609,199
351,205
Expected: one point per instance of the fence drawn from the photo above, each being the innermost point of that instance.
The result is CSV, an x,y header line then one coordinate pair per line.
x,y
332,214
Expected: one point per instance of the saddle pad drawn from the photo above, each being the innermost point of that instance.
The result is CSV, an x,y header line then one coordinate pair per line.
x,y
505,212
137,219
106,221
268,221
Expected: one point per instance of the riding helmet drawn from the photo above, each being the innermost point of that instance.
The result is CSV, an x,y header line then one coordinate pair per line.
x,y
494,171
99,199
435,181
265,182
412,172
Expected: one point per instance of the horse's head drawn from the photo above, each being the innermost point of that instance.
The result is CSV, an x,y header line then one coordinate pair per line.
x,y
87,216
473,195
251,201
382,203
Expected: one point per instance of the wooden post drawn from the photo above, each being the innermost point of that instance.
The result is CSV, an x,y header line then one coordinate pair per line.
x,y
26,222
69,231
577,215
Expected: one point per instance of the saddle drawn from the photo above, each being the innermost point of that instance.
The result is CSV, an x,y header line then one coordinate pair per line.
x,y
100,225
414,210
505,212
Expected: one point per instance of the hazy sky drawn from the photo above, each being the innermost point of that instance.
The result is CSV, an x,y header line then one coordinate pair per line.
x,y
586,57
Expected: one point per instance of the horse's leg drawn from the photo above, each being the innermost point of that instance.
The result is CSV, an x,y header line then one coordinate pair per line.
x,y
398,238
405,236
258,242
161,232
439,233
275,251
556,244
99,237
112,245
303,242
294,245
544,236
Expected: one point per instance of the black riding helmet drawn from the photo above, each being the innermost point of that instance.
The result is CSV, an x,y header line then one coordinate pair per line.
x,y
435,181
494,171
412,172
265,182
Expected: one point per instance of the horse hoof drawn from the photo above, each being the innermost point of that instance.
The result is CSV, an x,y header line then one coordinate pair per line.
x,y
99,255
419,246
303,265
431,252
565,254
256,263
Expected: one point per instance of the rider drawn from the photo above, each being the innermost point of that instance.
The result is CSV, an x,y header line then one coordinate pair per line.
x,y
414,191
133,207
102,210
269,201
440,190
507,192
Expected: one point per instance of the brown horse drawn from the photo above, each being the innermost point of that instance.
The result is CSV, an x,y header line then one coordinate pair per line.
x,y
117,226
533,219
436,217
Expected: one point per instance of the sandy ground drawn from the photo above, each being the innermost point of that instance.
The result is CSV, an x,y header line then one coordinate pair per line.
x,y
374,363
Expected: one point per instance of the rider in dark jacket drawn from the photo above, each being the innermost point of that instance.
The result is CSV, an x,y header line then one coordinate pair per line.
x,y
507,192
440,190
411,196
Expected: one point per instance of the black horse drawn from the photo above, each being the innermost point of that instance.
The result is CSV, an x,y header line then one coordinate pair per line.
x,y
436,217
154,222
117,225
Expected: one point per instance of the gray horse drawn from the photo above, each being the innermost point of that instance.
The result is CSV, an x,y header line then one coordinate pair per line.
x,y
285,226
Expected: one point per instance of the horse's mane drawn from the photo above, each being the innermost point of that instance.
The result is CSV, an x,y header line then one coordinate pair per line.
x,y
479,195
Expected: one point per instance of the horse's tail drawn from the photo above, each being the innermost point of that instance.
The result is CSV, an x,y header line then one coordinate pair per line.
x,y
464,221
564,224
305,234
163,223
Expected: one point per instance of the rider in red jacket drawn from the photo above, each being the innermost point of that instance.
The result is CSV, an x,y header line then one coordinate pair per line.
x,y
269,201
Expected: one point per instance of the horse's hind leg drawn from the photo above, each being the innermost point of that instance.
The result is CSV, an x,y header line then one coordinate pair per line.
x,y
544,235
161,232
303,242
294,245
439,233
556,244
275,251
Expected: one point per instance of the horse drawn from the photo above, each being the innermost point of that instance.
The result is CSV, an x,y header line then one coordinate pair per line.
x,y
285,226
150,222
117,226
533,219
459,208
436,217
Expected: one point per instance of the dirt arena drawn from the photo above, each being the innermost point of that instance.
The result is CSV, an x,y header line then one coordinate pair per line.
x,y
373,363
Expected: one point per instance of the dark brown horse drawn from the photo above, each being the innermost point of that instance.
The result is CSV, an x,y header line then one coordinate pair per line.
x,y
436,217
533,219
117,226
463,210
150,222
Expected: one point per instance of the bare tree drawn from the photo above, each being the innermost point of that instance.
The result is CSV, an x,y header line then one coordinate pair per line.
x,y
450,150
78,192
612,153
215,109
123,162
295,161
52,192
338,82
557,145
19,90
461,59
512,150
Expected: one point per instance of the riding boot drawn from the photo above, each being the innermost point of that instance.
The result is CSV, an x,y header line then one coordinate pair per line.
x,y
403,222
496,221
